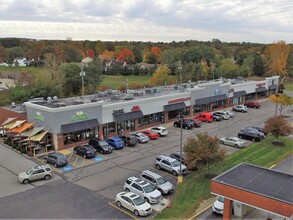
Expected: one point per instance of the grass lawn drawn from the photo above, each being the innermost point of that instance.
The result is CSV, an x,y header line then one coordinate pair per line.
x,y
195,188
289,85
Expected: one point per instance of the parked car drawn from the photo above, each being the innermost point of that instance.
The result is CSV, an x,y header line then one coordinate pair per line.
x,y
197,123
176,155
128,140
252,104
133,203
205,117
217,117
261,134
218,205
115,142
140,137
249,135
160,130
36,173
86,151
240,108
142,188
157,181
230,113
225,115
2,133
233,141
151,134
56,159
101,145
170,164
186,124
260,129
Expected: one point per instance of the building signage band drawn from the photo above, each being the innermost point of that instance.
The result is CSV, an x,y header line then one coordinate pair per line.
x,y
135,108
179,100
261,84
79,116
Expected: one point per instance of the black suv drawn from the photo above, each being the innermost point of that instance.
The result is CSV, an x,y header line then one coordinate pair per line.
x,y
101,145
249,135
186,124
128,140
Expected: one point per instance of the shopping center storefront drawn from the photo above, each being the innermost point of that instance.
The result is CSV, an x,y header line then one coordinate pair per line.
x,y
74,124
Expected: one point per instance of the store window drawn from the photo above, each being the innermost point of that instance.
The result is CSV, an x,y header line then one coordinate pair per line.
x,y
202,108
250,96
78,136
150,119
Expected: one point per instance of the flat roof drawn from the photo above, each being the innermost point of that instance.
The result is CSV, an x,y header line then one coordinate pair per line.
x,y
266,182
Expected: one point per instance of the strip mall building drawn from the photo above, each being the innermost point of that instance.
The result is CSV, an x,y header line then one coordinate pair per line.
x,y
74,121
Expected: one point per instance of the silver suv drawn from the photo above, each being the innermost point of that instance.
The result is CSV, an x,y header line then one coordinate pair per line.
x,y
157,181
170,164
143,189
36,173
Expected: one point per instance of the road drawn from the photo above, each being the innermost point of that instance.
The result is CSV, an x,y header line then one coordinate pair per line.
x,y
88,192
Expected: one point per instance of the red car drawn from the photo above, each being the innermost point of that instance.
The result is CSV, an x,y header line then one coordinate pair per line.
x,y
252,104
151,134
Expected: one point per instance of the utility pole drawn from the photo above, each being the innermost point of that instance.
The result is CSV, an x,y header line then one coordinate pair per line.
x,y
82,74
181,117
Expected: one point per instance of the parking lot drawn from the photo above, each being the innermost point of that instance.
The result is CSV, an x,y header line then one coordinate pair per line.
x,y
105,174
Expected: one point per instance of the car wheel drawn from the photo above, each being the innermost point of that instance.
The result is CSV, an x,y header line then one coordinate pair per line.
x,y
47,177
75,152
136,212
206,121
84,156
146,200
127,190
160,134
253,139
55,165
174,173
126,144
25,181
221,142
236,146
254,107
101,151
185,127
119,204
158,167
243,111
175,125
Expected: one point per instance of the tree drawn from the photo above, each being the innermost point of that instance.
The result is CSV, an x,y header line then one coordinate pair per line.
x,y
71,54
281,101
126,55
157,52
100,47
71,84
198,53
52,63
258,65
107,55
228,68
289,67
276,58
90,53
161,75
203,150
278,126
137,54
93,76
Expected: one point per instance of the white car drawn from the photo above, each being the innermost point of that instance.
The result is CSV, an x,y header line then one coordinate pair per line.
x,y
143,188
230,113
233,141
161,131
240,108
218,205
225,115
134,203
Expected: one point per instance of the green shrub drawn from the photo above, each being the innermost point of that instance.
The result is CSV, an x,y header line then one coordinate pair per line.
x,y
17,148
23,151
14,146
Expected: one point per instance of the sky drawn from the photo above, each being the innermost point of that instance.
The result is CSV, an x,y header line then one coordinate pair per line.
x,y
256,21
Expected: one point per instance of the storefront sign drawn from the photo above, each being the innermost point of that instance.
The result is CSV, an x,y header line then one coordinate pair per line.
x,y
119,111
261,84
231,90
179,100
39,117
135,108
79,116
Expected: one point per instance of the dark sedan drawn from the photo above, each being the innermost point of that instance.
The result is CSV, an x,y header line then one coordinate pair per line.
x,y
56,159
128,140
186,124
101,145
86,151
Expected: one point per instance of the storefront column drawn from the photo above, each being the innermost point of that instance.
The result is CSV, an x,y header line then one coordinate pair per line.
x,y
166,117
191,111
228,102
59,144
243,99
227,209
136,124
101,136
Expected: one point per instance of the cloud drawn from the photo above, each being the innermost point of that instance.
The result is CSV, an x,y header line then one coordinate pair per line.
x,y
261,21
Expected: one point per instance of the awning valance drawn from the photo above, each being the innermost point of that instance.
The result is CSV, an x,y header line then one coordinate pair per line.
x,y
273,87
173,107
32,131
260,89
8,120
38,137
210,99
14,124
22,128
127,116
78,126
239,94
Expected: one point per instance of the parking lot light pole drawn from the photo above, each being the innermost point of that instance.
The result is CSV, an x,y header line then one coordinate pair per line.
x,y
180,177
82,74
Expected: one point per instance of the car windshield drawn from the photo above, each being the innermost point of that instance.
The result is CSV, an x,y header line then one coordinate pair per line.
x,y
29,172
103,143
161,180
221,199
149,188
138,201
62,157
175,163
143,135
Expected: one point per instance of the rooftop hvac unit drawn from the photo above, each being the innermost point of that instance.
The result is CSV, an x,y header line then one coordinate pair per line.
x,y
49,100
138,93
77,102
95,100
155,90
115,97
55,98
60,104
148,91
184,86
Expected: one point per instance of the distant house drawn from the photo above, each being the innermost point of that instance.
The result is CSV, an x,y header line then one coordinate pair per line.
x,y
20,61
87,60
147,67
4,64
113,63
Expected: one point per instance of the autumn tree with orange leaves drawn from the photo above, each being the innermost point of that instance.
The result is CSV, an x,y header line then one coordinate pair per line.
x,y
276,56
126,55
